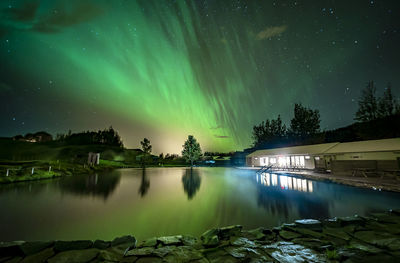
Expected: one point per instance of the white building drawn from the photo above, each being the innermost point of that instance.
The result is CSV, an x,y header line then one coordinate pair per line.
x,y
336,157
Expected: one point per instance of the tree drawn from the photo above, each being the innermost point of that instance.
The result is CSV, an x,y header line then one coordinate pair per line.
x,y
191,150
387,104
146,147
367,105
269,132
305,123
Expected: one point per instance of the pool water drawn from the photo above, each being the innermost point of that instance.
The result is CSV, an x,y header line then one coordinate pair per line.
x,y
170,201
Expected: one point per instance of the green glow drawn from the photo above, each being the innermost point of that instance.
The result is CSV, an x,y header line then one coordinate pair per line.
x,y
167,69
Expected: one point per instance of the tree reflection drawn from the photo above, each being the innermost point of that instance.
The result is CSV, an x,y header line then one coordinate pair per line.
x,y
145,184
98,185
191,182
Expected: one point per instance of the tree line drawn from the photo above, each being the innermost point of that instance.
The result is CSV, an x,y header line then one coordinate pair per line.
x,y
305,127
271,133
106,137
371,108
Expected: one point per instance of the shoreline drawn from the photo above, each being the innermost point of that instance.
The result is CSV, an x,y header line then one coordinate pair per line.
x,y
376,236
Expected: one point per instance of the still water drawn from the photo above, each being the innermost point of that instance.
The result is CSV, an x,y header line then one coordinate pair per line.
x,y
169,201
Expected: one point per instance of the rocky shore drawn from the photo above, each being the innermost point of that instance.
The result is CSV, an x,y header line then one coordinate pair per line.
x,y
375,238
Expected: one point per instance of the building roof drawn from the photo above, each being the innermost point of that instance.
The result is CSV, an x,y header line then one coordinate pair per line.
x,y
336,147
383,145
303,149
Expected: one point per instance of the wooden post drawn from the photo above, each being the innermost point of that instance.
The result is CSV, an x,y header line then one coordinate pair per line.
x,y
7,172
33,170
50,168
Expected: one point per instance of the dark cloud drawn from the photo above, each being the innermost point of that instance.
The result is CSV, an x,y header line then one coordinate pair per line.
x,y
25,12
271,32
60,18
221,136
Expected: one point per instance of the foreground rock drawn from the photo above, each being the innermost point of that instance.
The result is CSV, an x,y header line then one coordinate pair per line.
x,y
375,238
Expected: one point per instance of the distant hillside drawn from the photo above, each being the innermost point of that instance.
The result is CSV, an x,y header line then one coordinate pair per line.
x,y
383,128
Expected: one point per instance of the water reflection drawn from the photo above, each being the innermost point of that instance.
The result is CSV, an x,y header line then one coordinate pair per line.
x,y
145,184
285,182
286,195
191,182
98,185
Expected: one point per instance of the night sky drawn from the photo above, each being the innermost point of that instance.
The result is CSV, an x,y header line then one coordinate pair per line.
x,y
165,69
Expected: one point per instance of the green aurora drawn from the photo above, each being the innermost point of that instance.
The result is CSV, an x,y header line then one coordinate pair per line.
x,y
166,69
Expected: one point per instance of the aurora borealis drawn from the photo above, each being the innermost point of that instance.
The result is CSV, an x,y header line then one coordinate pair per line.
x,y
163,69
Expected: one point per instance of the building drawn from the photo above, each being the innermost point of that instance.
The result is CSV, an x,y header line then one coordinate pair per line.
x,y
378,155
93,158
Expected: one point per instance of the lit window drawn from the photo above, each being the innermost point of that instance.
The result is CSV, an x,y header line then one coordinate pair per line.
x,y
302,162
272,160
316,158
307,157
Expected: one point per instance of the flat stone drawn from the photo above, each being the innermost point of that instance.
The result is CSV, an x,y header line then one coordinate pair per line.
x,y
309,224
378,239
288,235
293,253
106,255
11,248
40,257
236,252
226,232
29,248
309,233
332,222
242,242
101,244
128,241
189,240
386,218
151,242
311,243
336,232
75,256
145,251
149,260
211,241
183,254
355,220
256,234
210,238
225,259
163,251
72,245
170,240
364,247
383,227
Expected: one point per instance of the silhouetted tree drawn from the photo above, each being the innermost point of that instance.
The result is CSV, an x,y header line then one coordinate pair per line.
x,y
191,150
268,132
146,147
305,123
367,105
387,103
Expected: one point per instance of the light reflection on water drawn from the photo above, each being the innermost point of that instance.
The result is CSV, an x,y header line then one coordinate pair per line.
x,y
285,182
